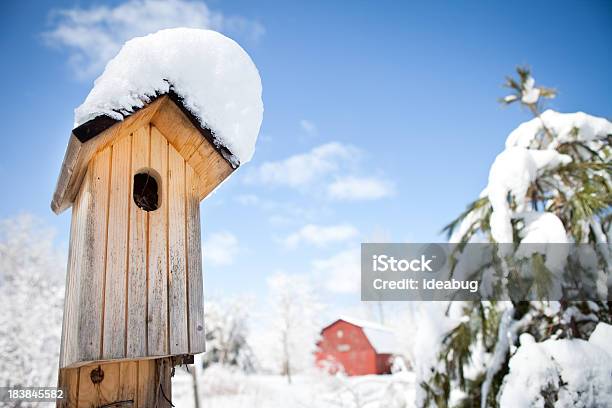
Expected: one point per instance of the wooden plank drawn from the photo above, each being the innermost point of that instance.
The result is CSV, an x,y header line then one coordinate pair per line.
x,y
137,269
210,167
167,117
173,123
212,173
68,349
184,136
68,164
177,290
191,144
117,250
164,373
147,386
78,155
108,389
208,163
91,295
203,155
128,381
194,264
78,167
158,252
88,395
69,382
136,383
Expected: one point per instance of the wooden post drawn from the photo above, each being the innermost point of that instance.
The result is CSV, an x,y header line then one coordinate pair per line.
x,y
138,383
134,298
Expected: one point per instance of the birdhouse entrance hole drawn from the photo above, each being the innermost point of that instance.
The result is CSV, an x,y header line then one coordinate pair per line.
x,y
146,190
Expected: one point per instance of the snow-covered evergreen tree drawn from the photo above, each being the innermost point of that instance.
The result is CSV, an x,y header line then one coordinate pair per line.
x,y
31,301
551,185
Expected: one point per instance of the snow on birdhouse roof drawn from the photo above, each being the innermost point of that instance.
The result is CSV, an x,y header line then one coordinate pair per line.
x,y
213,76
382,338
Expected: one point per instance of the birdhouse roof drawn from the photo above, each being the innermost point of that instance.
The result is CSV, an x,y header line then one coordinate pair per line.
x,y
198,87
198,146
216,80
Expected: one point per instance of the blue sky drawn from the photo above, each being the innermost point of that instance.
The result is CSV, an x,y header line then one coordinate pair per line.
x,y
401,95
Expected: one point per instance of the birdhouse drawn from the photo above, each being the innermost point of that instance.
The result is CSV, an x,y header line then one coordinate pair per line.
x,y
134,285
158,132
134,295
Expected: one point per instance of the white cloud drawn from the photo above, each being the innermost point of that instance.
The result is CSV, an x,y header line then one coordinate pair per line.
x,y
303,169
327,170
308,126
359,188
341,272
248,199
220,248
279,212
94,35
319,235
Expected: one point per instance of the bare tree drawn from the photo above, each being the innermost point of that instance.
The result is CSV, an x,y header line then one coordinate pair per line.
x,y
31,299
294,324
226,333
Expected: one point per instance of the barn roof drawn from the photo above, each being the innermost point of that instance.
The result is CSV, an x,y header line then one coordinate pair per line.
x,y
382,338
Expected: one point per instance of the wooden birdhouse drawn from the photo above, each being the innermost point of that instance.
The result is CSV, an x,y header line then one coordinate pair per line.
x,y
134,295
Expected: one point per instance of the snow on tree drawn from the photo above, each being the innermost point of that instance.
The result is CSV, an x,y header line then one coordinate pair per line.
x,y
551,185
31,300
562,373
287,344
227,332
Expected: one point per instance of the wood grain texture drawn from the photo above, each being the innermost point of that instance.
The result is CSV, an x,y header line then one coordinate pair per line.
x,y
146,379
135,383
78,155
210,167
207,162
172,122
134,283
71,158
177,284
164,376
194,264
117,250
94,257
128,381
88,395
137,270
175,126
69,381
158,252
68,348
108,389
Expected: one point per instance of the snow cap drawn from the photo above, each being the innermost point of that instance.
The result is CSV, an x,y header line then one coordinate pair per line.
x,y
216,79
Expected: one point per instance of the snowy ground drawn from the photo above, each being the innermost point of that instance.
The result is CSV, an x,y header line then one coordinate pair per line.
x,y
220,387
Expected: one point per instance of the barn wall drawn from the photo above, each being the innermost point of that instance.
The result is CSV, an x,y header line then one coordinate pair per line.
x,y
358,359
134,284
383,363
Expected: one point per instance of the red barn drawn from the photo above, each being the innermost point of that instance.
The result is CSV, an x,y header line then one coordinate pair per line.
x,y
356,347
